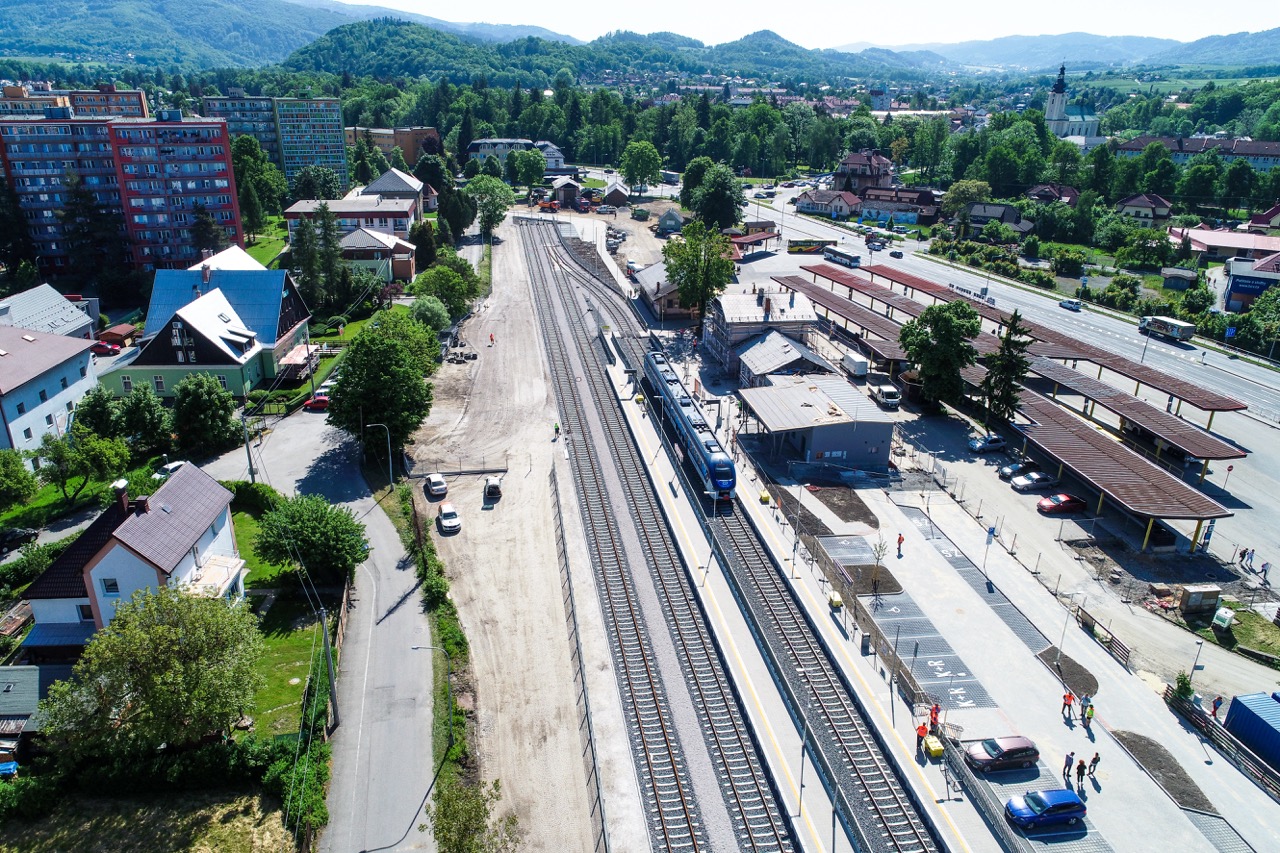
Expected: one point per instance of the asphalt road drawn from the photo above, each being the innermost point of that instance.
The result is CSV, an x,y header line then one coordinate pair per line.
x,y
382,762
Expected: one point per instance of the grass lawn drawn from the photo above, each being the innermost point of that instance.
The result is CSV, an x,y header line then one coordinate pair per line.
x,y
593,182
269,243
260,573
352,328
485,270
1250,630
290,630
48,503
203,821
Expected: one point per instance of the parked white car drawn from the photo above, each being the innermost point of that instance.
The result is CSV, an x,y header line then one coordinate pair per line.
x,y
450,521
436,485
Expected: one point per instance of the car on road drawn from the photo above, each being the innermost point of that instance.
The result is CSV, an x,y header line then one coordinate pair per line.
x,y
1017,469
318,402
436,485
759,194
1045,808
1001,753
450,521
166,470
987,443
1033,480
608,171
641,189
896,253
1071,304
16,537
1061,503
104,348
606,208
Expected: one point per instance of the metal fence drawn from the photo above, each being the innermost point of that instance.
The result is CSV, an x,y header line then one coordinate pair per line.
x,y
1262,774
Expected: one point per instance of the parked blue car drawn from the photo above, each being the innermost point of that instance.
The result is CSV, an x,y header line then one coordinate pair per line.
x,y
1045,808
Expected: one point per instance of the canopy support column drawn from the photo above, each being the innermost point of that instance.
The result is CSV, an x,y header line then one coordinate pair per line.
x,y
1151,522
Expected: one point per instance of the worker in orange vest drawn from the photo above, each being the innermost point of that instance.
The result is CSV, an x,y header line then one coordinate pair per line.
x,y
922,731
934,712
1068,699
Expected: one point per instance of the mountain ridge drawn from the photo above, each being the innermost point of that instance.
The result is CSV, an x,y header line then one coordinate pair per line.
x,y
1044,51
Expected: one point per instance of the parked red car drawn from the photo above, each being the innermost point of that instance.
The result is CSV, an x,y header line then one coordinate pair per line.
x,y
318,403
104,348
1061,503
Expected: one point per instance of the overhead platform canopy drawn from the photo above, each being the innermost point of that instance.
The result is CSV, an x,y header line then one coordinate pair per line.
x,y
885,345
1188,438
1139,486
754,239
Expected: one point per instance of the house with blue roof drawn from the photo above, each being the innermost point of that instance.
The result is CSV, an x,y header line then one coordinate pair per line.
x,y
243,326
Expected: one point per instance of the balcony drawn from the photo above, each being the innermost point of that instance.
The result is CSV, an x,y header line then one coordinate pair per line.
x,y
219,577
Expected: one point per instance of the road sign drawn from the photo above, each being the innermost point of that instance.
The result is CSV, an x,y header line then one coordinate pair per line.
x,y
1230,468
1231,332
1084,280
991,535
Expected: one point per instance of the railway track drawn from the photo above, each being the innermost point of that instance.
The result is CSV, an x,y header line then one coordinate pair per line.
x,y
750,796
874,802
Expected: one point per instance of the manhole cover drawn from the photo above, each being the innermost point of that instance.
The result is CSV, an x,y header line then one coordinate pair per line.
x,y
295,680
1211,576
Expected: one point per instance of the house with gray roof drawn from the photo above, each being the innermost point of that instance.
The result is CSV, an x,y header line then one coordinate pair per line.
x,y
733,318
660,294
43,309
180,536
42,379
394,183
775,354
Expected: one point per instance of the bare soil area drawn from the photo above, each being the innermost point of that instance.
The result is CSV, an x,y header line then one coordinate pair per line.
x,y
497,412
1164,768
1079,680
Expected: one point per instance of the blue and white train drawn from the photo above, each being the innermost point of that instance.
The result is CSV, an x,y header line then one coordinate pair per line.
x,y
713,464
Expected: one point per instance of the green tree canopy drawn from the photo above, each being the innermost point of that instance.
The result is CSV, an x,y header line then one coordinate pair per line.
x,y
144,422
430,312
99,411
493,198
692,179
1006,368
641,163
700,265
17,484
938,343
962,193
71,462
204,414
491,167
316,182
718,199
420,343
446,285
327,540
379,383
170,669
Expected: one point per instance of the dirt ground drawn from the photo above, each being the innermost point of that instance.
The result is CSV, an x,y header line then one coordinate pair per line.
x,y
1080,680
497,412
1164,768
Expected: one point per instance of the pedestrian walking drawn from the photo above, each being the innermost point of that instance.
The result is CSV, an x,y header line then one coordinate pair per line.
x,y
1066,765
1250,563
1093,763
1068,700
1244,555
1085,701
491,339
901,539
1217,703
922,732
1080,771
1087,717
1266,569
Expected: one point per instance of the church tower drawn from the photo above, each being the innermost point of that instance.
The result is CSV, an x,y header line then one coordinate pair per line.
x,y
1055,112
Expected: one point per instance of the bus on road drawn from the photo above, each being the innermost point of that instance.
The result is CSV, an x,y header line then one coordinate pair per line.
x,y
808,247
841,257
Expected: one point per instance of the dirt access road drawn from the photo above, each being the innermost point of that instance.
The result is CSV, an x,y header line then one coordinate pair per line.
x,y
495,411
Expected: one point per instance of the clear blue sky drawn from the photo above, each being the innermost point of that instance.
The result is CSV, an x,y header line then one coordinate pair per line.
x,y
831,23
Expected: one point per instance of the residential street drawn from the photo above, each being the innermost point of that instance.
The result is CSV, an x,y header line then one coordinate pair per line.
x,y
382,764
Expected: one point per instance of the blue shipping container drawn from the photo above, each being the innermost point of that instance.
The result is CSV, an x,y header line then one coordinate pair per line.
x,y
1255,720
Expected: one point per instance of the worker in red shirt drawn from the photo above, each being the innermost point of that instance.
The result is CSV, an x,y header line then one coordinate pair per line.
x,y
934,713
1068,700
922,731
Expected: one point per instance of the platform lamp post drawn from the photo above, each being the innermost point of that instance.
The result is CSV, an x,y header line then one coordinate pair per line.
x,y
1196,662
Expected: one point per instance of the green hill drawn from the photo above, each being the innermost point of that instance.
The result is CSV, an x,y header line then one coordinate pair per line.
x,y
1238,49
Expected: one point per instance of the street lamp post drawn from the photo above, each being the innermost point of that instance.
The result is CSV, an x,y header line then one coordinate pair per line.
x,y
390,478
1196,662
448,685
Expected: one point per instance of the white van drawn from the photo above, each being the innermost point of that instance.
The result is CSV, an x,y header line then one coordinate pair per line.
x,y
886,395
855,365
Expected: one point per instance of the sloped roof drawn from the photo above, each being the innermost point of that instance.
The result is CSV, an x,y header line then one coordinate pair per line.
x,y
1271,263
42,309
1150,200
177,516
27,354
563,181
363,238
362,205
213,318
828,196
773,351
255,295
653,281
393,181
230,258
64,578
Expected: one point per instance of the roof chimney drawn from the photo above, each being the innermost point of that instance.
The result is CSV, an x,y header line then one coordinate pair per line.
x,y
144,504
121,488
205,273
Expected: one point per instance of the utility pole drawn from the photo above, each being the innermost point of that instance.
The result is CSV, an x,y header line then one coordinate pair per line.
x,y
244,423
328,654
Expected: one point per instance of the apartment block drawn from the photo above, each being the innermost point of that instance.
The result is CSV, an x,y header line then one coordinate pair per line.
x,y
20,100
149,172
410,140
247,116
107,100
310,134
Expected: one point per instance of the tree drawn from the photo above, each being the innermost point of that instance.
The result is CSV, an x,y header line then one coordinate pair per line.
x,y
170,669
396,160
251,213
327,540
304,259
99,411
938,342
641,163
71,462
204,414
316,182
206,233
16,246
94,237
329,261
379,384
530,166
430,312
252,167
422,347
694,172
963,193
700,265
1006,369
423,237
492,198
462,819
1198,300
491,167
718,200
472,169
17,484
145,422
997,233
446,285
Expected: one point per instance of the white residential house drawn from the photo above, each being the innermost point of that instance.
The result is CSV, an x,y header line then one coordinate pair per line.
x,y
42,379
181,536
837,205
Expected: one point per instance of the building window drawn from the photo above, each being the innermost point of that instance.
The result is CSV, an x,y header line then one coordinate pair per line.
x,y
48,420
22,408
126,383
70,406
110,586
84,371
179,356
86,612
159,383
64,382
222,381
26,433
44,397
